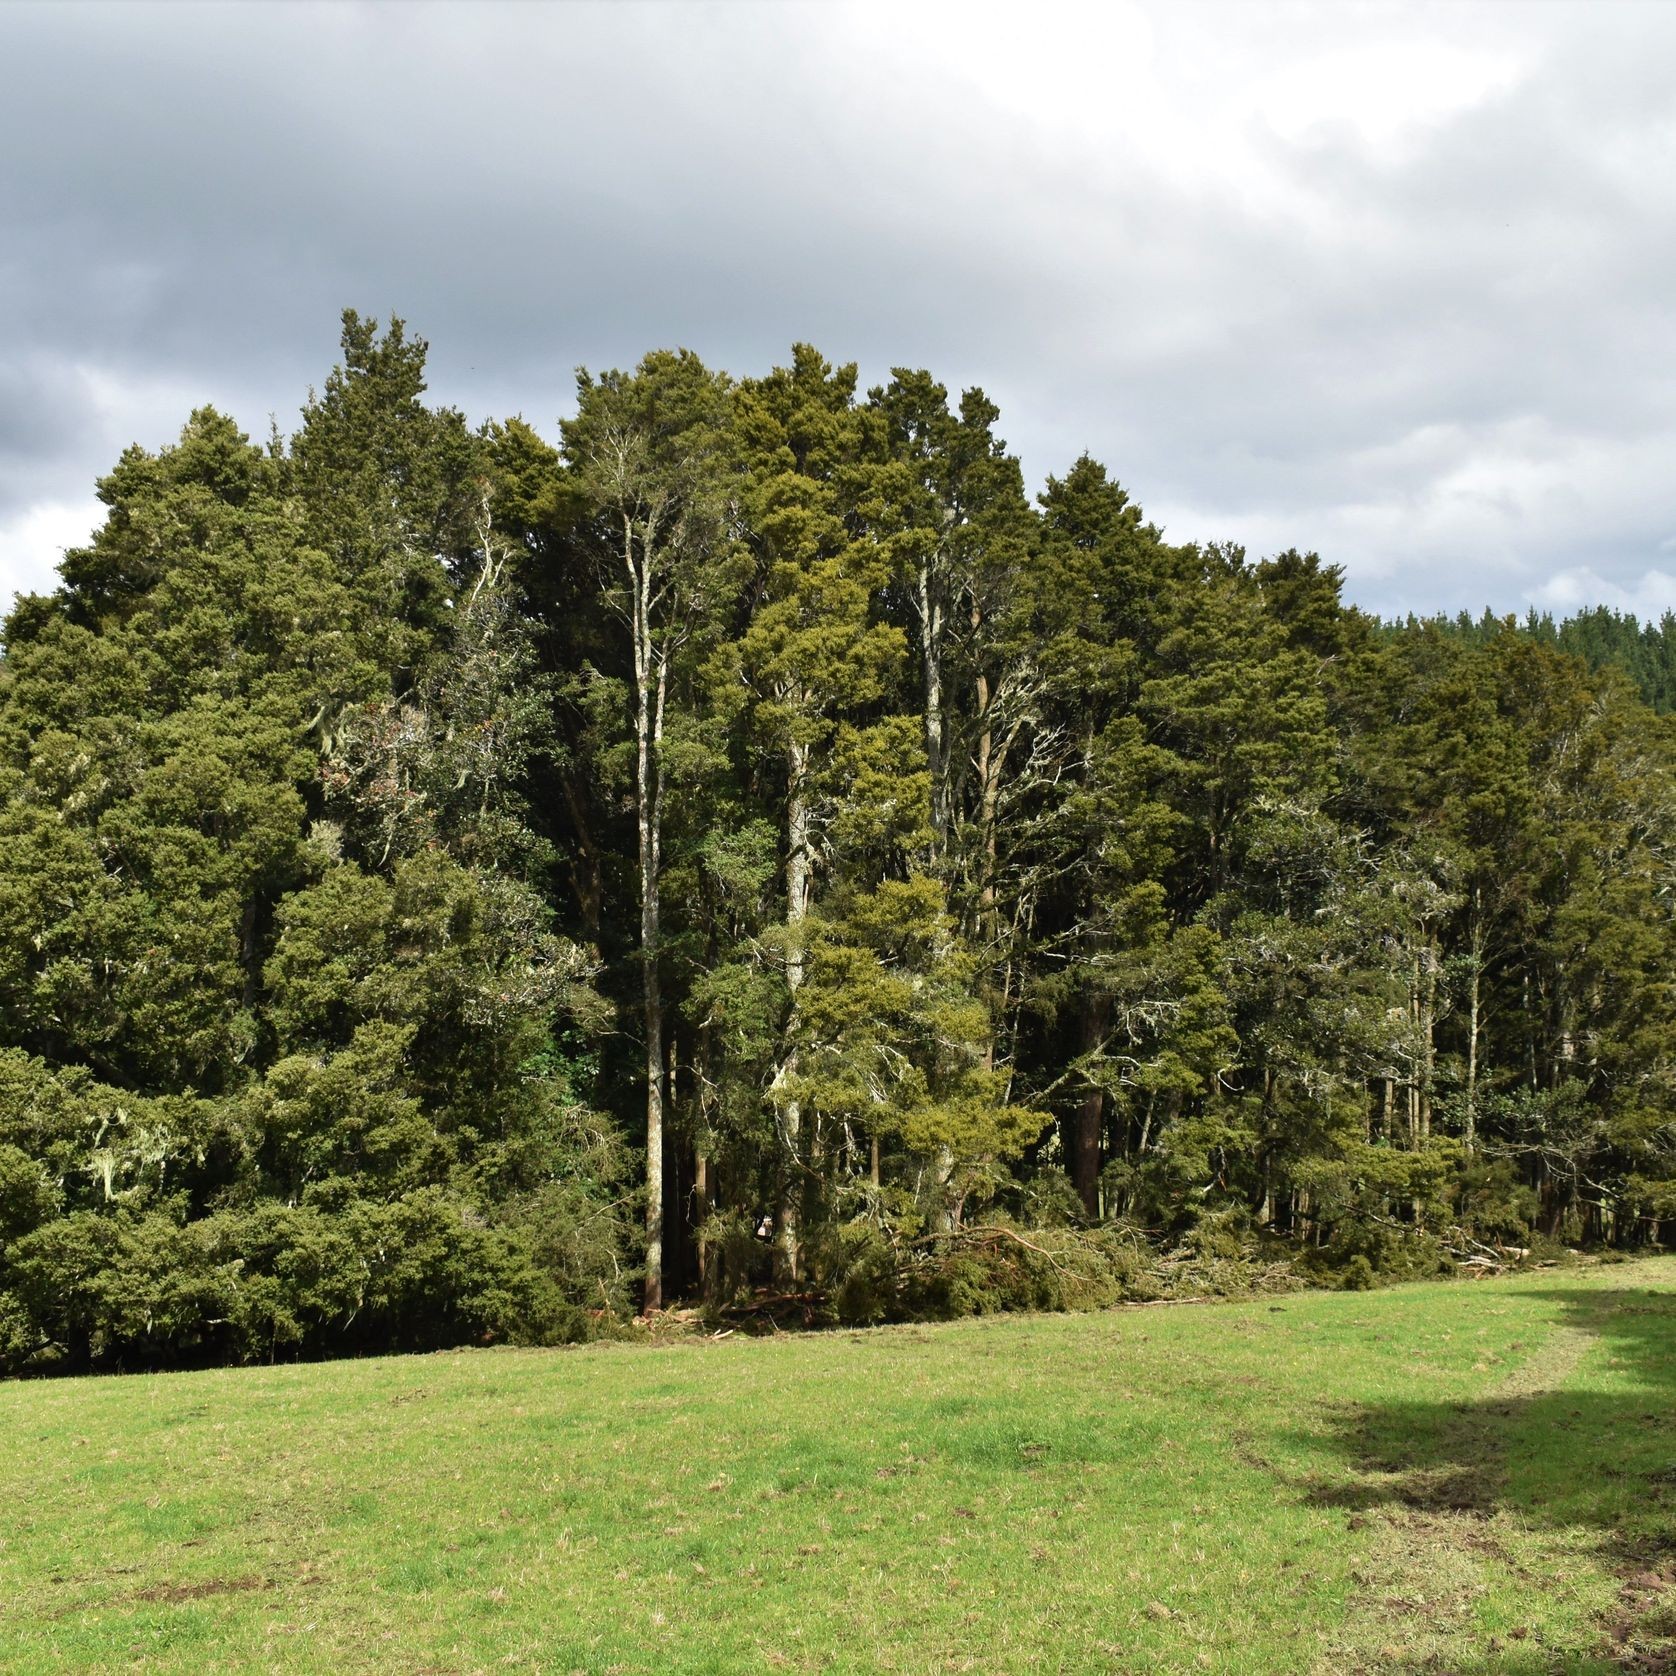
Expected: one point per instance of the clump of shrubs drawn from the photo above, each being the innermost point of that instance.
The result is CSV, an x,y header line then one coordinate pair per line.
x,y
874,1270
1362,1254
425,1271
998,1266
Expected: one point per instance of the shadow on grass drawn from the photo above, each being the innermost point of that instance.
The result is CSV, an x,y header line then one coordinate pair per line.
x,y
1561,1456
1552,1454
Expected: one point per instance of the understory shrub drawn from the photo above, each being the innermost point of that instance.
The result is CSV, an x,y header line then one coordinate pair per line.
x,y
995,1266
422,1272
1387,1251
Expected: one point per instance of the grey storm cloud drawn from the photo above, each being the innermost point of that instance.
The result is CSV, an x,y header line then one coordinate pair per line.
x,y
1388,282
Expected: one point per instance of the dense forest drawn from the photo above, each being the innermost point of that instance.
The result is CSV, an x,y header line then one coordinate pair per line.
x,y
456,889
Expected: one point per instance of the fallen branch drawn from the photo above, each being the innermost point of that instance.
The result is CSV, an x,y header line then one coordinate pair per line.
x,y
1158,1303
758,1304
990,1233
807,1303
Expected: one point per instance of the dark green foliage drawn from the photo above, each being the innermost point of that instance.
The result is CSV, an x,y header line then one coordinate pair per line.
x,y
1601,637
282,1010
969,906
417,1272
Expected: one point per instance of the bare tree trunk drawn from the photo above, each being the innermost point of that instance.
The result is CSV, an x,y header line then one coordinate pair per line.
x,y
1564,1016
936,752
1414,1068
651,1003
991,764
701,1214
799,885
1265,1203
946,1212
1474,1011
987,805
651,672
931,651
1428,1046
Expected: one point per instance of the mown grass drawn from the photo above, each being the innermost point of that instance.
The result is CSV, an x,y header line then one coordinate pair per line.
x,y
1467,1478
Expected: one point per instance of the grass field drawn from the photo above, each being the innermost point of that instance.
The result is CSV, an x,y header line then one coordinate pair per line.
x,y
1469,1478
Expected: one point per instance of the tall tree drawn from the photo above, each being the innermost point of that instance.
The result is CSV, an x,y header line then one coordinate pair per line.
x,y
652,452
813,655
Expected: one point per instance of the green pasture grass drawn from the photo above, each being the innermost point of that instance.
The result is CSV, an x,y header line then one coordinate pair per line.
x,y
1455,1477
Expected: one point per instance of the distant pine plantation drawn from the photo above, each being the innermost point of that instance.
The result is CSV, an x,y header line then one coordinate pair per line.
x,y
455,890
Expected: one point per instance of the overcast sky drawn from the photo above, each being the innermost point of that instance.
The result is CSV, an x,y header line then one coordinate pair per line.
x,y
1393,282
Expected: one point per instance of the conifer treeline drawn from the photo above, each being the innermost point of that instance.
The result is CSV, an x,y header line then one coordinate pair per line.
x,y
456,889
1602,637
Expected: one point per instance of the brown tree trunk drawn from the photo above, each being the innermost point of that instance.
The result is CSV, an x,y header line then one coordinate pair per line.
x,y
701,1214
1088,1121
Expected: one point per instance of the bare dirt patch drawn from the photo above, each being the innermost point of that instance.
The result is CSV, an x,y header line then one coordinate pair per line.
x,y
1641,1633
174,1594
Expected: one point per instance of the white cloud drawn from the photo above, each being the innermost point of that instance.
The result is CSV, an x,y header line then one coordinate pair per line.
x,y
1647,597
98,411
33,541
1390,280
1387,91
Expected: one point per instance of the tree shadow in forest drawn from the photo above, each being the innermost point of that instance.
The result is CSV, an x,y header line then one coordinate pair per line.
x,y
1549,1456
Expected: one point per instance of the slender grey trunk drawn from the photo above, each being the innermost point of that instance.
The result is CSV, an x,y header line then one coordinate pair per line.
x,y
1428,1045
799,886
1474,1010
946,1212
931,651
701,1211
651,687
